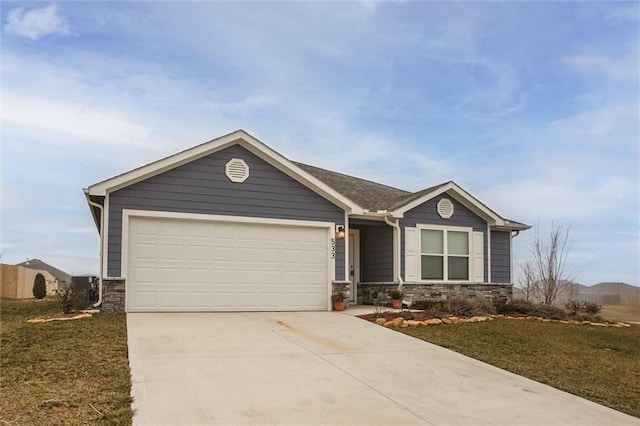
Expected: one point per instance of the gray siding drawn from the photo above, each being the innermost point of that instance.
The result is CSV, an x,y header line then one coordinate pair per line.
x,y
202,187
376,252
427,214
500,257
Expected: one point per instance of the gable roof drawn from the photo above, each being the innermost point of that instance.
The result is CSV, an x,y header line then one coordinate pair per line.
x,y
239,137
357,196
378,197
42,266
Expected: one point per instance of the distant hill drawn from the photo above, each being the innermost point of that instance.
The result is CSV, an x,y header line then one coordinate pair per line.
x,y
604,293
611,288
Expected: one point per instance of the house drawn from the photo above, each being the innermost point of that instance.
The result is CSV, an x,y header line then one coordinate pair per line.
x,y
232,225
17,280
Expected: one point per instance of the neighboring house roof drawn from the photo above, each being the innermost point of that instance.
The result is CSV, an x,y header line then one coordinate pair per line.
x,y
358,196
42,266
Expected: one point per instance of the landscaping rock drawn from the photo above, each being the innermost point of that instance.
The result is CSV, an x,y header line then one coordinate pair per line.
x,y
380,321
433,321
413,323
598,324
446,321
454,320
404,324
389,324
623,324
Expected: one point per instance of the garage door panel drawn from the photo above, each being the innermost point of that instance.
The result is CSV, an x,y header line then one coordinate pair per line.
x,y
189,265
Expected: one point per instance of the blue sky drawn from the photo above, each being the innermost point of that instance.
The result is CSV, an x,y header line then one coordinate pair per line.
x,y
532,107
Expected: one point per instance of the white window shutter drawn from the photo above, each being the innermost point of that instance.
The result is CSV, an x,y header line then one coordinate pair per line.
x,y
411,254
478,257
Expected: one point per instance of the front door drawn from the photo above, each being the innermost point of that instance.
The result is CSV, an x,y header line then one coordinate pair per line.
x,y
354,262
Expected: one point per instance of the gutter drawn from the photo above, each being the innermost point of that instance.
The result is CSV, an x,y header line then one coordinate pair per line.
x,y
101,208
396,230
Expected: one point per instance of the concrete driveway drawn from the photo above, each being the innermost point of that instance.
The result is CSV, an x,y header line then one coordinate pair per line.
x,y
325,368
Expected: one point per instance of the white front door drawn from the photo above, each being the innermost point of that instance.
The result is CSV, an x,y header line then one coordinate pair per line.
x,y
354,262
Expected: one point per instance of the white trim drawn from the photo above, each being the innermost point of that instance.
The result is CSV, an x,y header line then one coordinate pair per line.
x,y
488,253
126,213
105,240
463,197
445,266
477,250
511,257
241,138
129,213
346,246
411,255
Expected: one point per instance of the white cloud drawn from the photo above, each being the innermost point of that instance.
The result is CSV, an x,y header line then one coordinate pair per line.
x,y
71,119
36,23
617,68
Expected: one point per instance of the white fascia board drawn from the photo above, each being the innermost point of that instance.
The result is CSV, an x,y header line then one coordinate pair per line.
x,y
460,195
245,140
167,163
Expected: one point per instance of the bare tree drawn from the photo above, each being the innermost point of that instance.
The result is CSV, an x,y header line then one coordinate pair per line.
x,y
528,280
550,252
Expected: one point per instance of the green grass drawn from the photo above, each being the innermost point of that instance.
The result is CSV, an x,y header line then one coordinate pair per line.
x,y
62,372
597,363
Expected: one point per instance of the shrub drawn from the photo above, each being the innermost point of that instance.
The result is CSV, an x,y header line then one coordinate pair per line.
x,y
39,286
526,307
338,297
427,305
65,297
407,315
462,306
396,294
576,307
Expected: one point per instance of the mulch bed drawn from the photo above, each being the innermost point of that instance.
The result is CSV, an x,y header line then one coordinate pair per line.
x,y
417,316
61,317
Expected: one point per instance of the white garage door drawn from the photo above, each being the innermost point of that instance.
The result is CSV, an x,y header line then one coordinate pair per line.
x,y
193,265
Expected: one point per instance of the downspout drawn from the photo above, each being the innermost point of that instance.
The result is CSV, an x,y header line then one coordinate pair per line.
x,y
99,302
396,230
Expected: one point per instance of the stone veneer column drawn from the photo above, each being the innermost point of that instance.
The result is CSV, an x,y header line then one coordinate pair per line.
x,y
113,295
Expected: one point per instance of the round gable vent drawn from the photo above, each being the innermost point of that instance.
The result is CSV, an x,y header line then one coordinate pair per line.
x,y
445,208
237,170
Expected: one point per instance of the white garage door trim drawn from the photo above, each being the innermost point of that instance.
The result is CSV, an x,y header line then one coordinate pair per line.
x,y
127,214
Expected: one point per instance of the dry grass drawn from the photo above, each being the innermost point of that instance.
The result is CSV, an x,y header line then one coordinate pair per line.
x,y
621,313
63,372
597,363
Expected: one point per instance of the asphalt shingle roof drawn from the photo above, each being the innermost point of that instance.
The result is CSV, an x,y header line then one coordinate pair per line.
x,y
370,195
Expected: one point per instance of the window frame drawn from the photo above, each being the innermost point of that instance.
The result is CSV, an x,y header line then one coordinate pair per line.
x,y
445,254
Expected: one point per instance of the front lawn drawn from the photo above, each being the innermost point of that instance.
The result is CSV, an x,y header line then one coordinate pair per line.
x,y
62,372
601,364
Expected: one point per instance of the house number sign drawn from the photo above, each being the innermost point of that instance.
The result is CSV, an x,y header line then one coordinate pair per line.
x,y
333,248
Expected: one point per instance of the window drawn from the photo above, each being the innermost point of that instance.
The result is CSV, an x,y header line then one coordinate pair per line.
x,y
444,254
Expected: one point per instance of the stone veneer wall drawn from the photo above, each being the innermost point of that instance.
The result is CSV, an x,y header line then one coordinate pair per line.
x,y
343,286
368,292
113,295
